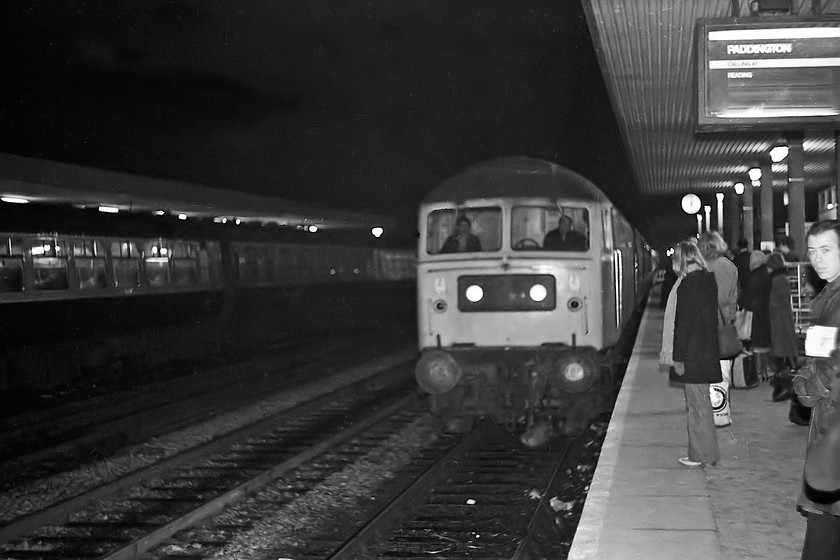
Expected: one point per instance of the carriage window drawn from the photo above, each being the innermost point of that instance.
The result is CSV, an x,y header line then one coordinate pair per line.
x,y
550,228
466,230
49,264
11,264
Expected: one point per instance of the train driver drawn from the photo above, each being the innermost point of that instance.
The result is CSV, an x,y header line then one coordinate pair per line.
x,y
564,238
462,241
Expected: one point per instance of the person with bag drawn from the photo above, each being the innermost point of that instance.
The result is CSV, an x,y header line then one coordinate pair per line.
x,y
756,299
784,345
690,350
713,248
817,385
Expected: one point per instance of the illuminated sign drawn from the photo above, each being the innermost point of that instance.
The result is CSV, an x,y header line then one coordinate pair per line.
x,y
768,73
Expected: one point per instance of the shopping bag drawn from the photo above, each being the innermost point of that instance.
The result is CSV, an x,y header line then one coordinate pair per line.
x,y
743,323
745,371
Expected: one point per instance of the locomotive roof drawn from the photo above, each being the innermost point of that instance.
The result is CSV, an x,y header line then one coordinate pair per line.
x,y
515,176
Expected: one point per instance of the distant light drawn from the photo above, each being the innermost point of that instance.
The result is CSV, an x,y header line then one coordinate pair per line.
x,y
182,216
109,209
779,153
224,220
739,188
312,229
785,199
829,206
160,213
14,199
377,231
238,221
755,174
756,184
691,203
218,220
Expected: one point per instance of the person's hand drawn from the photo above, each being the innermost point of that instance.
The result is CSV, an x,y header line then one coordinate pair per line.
x,y
679,368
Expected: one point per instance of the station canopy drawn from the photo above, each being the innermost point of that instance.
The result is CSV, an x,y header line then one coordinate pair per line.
x,y
647,54
49,182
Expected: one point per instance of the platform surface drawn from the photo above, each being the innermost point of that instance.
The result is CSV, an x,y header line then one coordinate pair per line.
x,y
644,504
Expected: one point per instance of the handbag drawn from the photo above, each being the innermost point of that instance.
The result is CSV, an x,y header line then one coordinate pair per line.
x,y
743,323
729,345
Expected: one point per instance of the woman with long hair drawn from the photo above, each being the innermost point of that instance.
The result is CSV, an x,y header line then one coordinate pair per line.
x,y
690,349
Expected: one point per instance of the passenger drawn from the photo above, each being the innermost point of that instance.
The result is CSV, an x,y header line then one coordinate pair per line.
x,y
756,298
462,241
690,349
668,282
785,247
742,263
564,238
784,345
713,248
817,385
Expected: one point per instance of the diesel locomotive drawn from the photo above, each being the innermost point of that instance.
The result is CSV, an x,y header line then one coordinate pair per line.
x,y
527,275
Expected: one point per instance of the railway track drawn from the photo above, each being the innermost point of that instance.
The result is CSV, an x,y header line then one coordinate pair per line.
x,y
36,444
126,517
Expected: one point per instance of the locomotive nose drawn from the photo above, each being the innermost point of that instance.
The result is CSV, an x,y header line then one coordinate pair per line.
x,y
437,372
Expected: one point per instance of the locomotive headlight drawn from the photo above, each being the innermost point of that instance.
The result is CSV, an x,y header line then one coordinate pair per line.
x,y
474,293
437,372
574,373
538,292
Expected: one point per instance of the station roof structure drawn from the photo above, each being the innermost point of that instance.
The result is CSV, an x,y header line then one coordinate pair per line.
x,y
646,51
50,182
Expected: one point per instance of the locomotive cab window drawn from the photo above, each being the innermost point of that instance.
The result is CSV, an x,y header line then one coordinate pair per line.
x,y
466,230
549,228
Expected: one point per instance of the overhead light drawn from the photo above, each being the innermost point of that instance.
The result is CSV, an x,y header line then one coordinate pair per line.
x,y
109,209
690,203
779,153
182,216
14,199
377,231
739,188
312,229
755,174
719,196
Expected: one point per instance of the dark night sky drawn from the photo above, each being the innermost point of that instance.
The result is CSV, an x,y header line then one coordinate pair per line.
x,y
343,104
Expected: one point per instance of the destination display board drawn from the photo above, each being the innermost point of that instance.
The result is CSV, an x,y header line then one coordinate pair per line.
x,y
768,73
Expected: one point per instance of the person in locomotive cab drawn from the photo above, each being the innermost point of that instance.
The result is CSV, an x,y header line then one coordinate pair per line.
x,y
817,385
463,240
690,349
564,238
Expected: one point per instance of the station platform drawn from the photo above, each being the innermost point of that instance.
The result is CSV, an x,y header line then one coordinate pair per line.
x,y
643,503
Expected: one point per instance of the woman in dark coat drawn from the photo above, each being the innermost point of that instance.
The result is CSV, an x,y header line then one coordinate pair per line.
x,y
783,341
695,351
756,298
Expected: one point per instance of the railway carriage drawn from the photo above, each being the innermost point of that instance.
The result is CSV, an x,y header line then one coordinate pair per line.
x,y
519,325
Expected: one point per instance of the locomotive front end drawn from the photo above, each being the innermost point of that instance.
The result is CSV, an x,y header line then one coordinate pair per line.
x,y
510,322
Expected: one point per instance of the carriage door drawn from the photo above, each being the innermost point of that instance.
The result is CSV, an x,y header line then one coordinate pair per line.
x,y
625,268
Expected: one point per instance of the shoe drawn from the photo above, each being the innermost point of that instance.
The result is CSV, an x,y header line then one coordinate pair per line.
x,y
689,463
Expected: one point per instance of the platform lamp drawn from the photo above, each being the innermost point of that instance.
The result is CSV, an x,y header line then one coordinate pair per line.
x,y
739,188
708,210
719,197
779,153
699,224
690,204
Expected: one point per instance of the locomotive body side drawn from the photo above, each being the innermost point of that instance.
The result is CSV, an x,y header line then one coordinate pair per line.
x,y
518,325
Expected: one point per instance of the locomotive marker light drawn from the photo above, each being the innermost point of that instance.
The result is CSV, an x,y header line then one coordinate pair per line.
x,y
690,203
437,372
